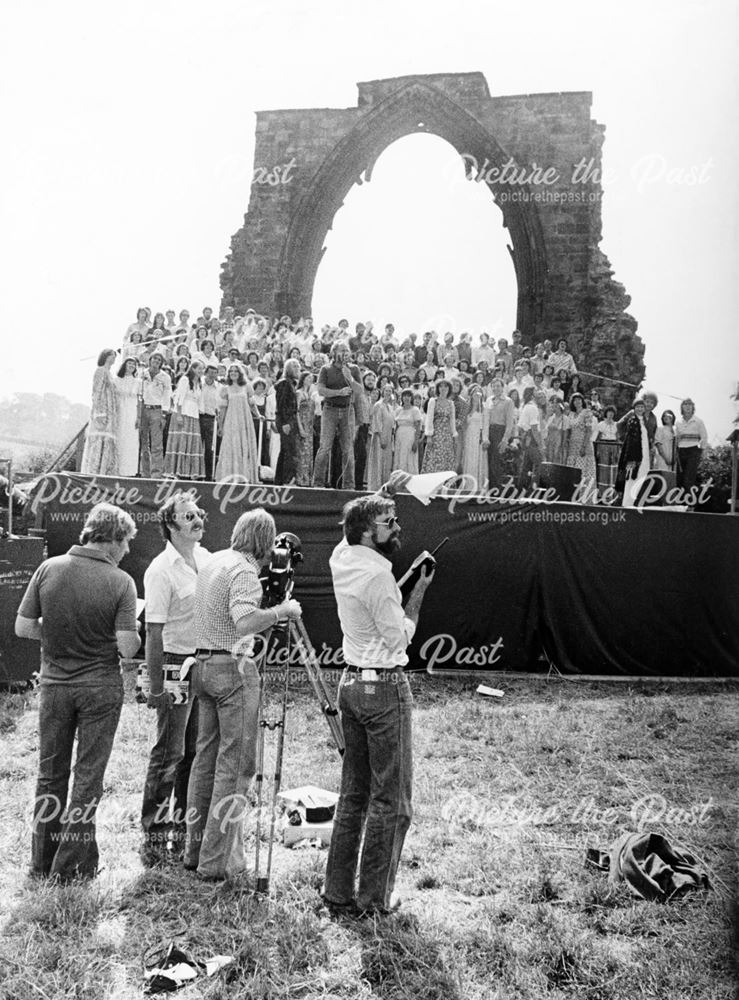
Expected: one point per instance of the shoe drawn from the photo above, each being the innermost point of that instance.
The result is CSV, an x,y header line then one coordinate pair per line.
x,y
342,911
382,911
206,877
153,855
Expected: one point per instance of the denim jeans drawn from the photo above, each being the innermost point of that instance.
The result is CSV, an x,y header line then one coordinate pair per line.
x,y
333,419
375,797
151,443
170,762
225,762
360,456
496,464
530,462
63,838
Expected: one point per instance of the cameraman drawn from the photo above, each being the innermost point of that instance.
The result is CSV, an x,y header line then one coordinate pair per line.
x,y
226,683
375,702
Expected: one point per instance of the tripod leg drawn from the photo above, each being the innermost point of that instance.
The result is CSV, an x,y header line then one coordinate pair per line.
x,y
259,777
311,666
263,884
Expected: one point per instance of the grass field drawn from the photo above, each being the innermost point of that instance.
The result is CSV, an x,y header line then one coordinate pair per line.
x,y
509,795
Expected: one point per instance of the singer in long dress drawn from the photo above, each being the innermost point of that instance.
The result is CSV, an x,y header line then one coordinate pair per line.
x,y
664,443
441,430
474,459
461,409
580,453
185,458
100,456
128,392
382,424
306,413
238,454
408,421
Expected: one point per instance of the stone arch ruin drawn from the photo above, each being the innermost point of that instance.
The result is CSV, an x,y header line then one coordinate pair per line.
x,y
538,154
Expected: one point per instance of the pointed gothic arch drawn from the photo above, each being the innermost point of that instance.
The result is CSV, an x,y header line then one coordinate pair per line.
x,y
306,161
415,107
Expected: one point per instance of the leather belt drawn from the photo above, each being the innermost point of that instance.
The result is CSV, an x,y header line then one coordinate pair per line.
x,y
213,652
352,668
152,406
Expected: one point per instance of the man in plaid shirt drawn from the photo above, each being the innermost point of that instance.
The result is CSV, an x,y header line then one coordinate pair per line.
x,y
226,682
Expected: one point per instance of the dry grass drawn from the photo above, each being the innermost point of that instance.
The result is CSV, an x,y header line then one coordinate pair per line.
x,y
498,903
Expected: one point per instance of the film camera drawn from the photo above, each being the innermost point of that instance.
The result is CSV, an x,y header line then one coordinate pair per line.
x,y
176,682
277,577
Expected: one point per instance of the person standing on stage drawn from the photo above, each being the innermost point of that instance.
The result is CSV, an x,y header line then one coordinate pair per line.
x,y
169,590
155,402
208,415
337,384
498,425
226,683
375,703
286,419
82,608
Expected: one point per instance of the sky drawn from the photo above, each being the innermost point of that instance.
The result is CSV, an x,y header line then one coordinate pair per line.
x,y
128,142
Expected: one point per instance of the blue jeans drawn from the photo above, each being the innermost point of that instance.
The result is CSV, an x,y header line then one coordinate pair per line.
x,y
333,419
151,443
376,784
63,840
225,762
170,761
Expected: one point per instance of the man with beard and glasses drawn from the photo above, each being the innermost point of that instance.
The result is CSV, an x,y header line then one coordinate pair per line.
x,y
375,702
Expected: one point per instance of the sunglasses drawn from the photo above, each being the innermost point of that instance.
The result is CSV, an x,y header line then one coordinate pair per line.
x,y
190,515
392,522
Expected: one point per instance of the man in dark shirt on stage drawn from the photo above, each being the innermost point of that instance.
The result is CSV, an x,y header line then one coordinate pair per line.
x,y
286,418
337,384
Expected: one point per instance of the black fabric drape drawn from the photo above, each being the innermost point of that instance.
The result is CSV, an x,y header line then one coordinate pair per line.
x,y
603,591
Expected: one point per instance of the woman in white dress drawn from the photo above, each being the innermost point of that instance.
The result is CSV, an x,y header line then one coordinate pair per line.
x,y
238,454
128,391
408,421
664,443
100,456
474,459
380,457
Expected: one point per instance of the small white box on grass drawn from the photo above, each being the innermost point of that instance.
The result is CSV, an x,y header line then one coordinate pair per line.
x,y
315,807
308,831
490,692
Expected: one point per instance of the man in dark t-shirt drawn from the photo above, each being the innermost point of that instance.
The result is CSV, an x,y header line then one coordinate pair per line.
x,y
337,384
83,609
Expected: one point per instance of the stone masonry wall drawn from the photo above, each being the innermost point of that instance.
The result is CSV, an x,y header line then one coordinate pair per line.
x,y
305,160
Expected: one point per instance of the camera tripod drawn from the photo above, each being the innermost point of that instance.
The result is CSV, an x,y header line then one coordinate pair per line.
x,y
296,637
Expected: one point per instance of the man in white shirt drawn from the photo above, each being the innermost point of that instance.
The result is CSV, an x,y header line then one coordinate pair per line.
x,y
375,702
210,393
484,352
529,431
169,589
155,401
